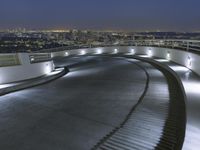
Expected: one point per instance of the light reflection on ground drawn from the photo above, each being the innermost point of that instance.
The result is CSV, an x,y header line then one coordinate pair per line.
x,y
191,84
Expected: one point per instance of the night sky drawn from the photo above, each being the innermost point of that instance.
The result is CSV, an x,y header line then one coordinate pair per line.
x,y
134,15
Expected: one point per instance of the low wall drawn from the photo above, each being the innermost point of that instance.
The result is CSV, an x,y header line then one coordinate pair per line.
x,y
35,82
25,70
188,59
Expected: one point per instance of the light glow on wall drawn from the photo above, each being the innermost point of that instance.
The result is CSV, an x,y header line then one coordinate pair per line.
x,y
149,53
162,60
132,51
99,51
6,85
115,51
192,87
47,68
189,62
192,137
66,54
168,56
83,52
179,68
144,56
32,59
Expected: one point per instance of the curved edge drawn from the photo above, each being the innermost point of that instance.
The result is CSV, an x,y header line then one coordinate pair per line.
x,y
169,70
131,111
30,83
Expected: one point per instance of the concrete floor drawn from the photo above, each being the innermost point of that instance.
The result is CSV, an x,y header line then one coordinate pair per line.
x,y
73,112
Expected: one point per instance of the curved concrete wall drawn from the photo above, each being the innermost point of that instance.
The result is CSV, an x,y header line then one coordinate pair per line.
x,y
188,59
25,70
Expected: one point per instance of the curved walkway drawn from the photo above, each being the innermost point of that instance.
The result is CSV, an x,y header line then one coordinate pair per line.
x,y
75,111
158,121
140,106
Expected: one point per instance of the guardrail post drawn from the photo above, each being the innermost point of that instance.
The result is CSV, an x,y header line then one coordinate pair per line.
x,y
188,46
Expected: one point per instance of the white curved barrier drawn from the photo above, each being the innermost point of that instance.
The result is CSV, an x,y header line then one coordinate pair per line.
x,y
188,59
25,70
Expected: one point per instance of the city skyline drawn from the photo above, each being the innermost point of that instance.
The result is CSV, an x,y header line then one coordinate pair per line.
x,y
132,15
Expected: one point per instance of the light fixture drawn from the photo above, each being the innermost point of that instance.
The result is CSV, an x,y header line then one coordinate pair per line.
x,y
168,55
189,62
149,53
66,54
47,68
99,51
83,52
132,51
32,59
115,51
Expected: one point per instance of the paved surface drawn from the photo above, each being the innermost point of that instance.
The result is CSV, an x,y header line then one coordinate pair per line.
x,y
144,127
191,83
158,120
81,108
75,111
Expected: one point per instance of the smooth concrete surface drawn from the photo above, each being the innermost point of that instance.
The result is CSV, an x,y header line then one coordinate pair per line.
x,y
145,125
73,112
